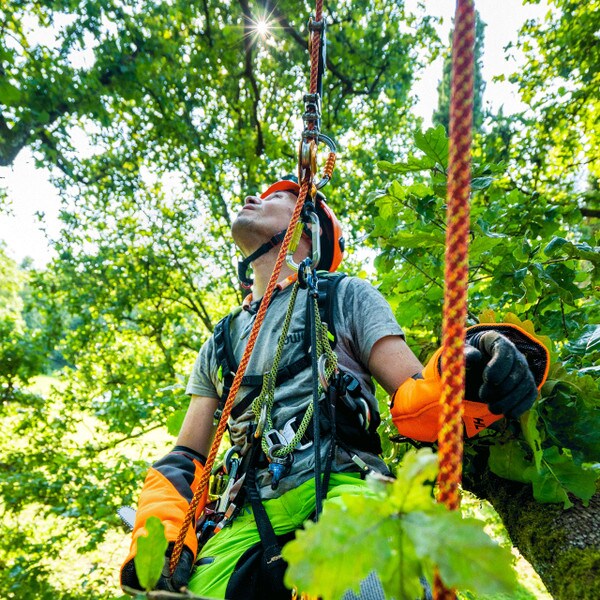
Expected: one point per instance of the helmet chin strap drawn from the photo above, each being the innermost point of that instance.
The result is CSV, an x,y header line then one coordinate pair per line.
x,y
243,265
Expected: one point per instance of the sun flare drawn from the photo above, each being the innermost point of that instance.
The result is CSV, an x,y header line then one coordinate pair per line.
x,y
262,27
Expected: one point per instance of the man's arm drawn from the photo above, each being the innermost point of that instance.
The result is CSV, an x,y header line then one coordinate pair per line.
x,y
168,490
197,431
506,367
392,362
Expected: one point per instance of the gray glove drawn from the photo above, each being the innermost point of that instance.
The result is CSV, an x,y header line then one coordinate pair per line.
x,y
182,573
498,374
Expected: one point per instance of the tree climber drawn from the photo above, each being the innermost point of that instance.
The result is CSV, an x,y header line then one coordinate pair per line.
x,y
272,471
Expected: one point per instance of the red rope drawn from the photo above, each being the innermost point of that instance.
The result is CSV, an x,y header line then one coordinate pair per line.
x,y
456,269
260,316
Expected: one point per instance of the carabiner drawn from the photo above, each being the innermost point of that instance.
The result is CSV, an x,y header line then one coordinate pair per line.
x,y
308,156
260,426
315,232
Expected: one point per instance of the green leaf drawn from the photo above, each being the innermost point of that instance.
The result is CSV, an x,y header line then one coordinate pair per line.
x,y
175,421
575,479
558,476
570,410
510,461
554,246
481,183
415,479
411,165
434,144
318,557
418,239
465,555
532,435
150,558
9,93
487,316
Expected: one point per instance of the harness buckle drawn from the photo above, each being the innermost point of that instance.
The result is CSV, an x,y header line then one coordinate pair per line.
x,y
279,466
217,416
289,432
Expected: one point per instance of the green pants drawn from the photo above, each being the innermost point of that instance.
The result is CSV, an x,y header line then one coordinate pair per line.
x,y
286,513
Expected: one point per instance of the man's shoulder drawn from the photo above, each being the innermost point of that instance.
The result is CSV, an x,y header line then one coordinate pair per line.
x,y
351,284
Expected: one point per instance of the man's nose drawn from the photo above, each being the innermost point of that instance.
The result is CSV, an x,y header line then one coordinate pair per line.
x,y
252,200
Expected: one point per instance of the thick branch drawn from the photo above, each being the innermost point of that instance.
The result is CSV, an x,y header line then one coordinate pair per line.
x,y
593,213
563,546
249,74
12,141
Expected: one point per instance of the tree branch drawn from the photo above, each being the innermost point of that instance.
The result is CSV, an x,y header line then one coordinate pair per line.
x,y
249,74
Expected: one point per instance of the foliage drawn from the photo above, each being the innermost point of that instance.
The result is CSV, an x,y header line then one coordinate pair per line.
x,y
407,532
524,264
150,557
442,114
21,348
559,82
158,117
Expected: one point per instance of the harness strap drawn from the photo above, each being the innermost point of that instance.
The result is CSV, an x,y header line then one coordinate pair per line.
x,y
228,366
272,559
311,300
266,247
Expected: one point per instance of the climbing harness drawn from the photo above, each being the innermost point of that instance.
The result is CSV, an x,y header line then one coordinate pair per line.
x,y
278,449
450,437
306,170
228,366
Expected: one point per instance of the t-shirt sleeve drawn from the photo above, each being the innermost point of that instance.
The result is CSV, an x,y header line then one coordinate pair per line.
x,y
366,316
202,381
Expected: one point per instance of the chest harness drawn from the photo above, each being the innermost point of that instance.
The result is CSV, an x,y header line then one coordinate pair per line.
x,y
345,416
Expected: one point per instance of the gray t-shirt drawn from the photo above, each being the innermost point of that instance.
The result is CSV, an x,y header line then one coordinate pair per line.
x,y
362,317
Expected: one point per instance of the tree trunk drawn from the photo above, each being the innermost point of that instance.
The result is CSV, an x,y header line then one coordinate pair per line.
x,y
563,546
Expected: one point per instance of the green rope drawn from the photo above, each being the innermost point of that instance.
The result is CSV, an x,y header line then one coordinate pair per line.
x,y
266,398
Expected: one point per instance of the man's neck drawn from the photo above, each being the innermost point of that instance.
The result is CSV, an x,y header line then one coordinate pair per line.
x,y
263,266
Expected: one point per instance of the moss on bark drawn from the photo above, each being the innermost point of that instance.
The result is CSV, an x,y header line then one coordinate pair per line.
x,y
563,546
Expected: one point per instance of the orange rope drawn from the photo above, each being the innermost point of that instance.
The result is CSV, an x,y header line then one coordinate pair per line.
x,y
450,437
260,316
330,165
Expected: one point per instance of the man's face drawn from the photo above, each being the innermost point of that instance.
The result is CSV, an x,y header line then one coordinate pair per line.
x,y
261,218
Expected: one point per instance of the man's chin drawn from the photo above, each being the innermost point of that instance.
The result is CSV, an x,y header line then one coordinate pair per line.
x,y
243,229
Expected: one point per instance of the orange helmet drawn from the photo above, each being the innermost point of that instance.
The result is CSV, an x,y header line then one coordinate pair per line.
x,y
332,238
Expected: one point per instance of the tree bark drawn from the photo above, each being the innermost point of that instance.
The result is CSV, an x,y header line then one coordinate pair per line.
x,y
563,546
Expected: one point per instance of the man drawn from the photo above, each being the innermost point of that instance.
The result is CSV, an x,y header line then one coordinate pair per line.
x,y
368,343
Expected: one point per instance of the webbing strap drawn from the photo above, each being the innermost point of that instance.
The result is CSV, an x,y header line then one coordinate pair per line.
x,y
244,264
328,283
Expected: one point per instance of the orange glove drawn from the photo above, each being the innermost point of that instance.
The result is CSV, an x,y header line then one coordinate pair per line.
x,y
168,490
415,405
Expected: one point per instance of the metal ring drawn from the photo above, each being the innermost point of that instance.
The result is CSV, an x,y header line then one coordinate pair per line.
x,y
321,367
274,448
